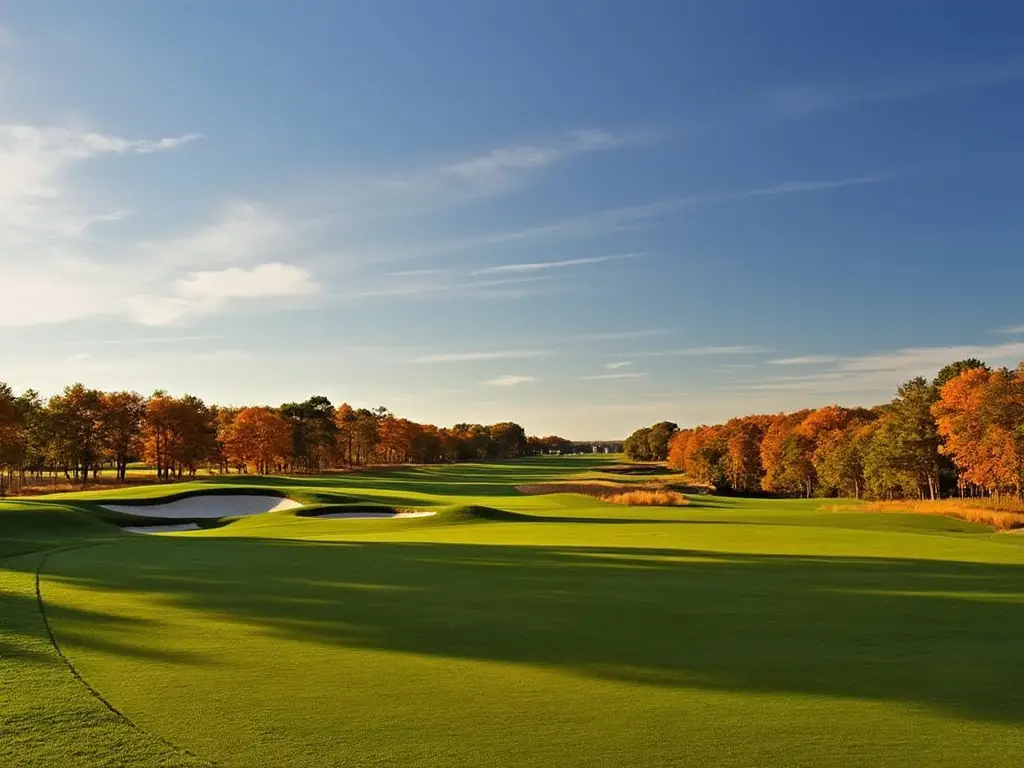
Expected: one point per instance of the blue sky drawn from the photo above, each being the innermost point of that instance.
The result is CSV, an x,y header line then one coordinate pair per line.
x,y
583,216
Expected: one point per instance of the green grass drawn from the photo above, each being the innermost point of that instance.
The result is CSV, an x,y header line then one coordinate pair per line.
x,y
509,630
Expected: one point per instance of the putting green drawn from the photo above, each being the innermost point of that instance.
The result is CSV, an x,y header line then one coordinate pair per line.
x,y
511,630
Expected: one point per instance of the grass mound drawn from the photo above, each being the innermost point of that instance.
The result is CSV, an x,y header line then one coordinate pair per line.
x,y
319,510
29,526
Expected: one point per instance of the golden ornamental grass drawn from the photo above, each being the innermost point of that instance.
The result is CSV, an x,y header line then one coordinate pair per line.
x,y
981,511
616,493
647,499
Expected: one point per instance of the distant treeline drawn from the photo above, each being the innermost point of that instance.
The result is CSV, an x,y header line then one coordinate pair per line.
x,y
962,433
83,431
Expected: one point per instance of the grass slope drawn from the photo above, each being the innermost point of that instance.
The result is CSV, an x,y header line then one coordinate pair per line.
x,y
512,630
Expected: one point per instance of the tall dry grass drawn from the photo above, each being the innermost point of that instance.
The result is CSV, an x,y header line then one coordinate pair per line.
x,y
616,493
1003,516
647,499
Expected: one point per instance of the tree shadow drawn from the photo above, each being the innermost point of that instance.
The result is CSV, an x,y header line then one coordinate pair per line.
x,y
940,634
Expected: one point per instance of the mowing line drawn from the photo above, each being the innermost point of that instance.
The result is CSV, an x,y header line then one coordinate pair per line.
x,y
78,676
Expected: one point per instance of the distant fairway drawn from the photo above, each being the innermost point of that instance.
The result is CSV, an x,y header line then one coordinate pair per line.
x,y
508,630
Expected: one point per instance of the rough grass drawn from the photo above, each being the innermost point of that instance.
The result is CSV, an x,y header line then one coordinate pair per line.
x,y
983,511
511,630
626,494
647,499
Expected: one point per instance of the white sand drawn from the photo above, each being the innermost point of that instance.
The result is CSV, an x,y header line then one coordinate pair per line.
x,y
161,528
372,515
211,505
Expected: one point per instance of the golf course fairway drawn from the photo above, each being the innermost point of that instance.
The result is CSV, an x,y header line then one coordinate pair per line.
x,y
505,630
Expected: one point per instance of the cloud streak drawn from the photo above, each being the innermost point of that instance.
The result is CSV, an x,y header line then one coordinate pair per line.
x,y
509,380
540,266
805,360
811,98
738,349
885,371
472,357
613,376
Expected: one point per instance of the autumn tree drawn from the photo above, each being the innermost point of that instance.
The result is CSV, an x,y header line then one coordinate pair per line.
x,y
980,415
179,434
77,416
783,454
121,416
743,469
258,439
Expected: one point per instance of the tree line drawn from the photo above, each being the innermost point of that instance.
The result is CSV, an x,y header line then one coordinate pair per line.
x,y
960,434
82,432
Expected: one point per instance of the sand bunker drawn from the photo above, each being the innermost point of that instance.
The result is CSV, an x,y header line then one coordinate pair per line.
x,y
212,505
373,515
161,528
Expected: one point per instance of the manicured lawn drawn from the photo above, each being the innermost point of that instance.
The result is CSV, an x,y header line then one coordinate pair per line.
x,y
730,632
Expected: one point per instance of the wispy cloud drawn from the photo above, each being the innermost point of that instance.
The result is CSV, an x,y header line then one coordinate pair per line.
x,y
488,173
445,288
1013,330
885,371
613,376
618,364
809,98
739,349
622,335
469,357
805,360
539,266
509,380
146,341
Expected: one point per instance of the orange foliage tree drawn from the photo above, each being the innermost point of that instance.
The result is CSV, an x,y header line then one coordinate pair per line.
x,y
259,440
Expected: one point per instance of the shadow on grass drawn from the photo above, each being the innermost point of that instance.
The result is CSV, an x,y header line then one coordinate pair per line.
x,y
945,635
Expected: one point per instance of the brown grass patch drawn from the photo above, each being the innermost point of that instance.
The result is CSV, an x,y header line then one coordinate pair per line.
x,y
981,511
647,499
628,494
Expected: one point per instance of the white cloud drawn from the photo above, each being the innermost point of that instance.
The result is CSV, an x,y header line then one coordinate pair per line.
x,y
243,231
1013,330
613,376
544,265
203,292
805,360
618,364
466,357
509,380
274,279
36,205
